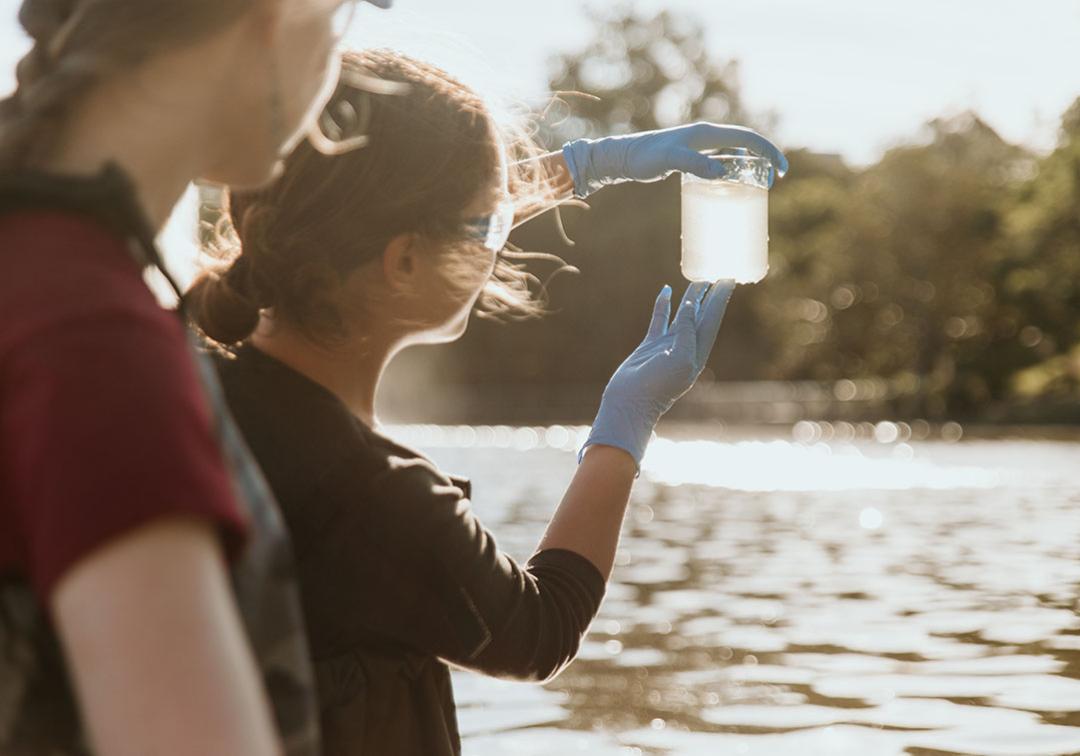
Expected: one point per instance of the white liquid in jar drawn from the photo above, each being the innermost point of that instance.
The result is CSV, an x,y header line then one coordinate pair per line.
x,y
725,231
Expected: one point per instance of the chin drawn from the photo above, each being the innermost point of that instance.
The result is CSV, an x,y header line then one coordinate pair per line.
x,y
252,173
458,328
447,333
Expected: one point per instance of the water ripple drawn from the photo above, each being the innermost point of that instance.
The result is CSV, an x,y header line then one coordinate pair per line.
x,y
884,596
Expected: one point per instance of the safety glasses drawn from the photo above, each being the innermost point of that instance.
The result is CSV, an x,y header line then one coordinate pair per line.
x,y
493,230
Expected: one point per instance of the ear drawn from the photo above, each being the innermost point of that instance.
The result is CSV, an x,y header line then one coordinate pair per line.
x,y
400,262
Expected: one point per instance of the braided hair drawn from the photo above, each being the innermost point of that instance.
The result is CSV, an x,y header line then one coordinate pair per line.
x,y
78,43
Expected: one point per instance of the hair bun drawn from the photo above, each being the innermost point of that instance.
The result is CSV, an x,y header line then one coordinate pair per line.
x,y
43,18
220,311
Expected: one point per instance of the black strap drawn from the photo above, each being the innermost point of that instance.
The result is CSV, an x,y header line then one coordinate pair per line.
x,y
109,197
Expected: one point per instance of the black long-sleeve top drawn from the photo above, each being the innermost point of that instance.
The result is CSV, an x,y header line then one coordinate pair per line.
x,y
397,576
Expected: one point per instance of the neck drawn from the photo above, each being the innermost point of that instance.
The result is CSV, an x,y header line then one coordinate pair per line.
x,y
349,371
160,155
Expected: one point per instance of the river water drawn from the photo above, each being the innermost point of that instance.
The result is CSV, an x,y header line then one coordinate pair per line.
x,y
827,589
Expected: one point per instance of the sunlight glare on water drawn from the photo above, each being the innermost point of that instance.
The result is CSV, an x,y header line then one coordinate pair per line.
x,y
871,518
839,589
790,466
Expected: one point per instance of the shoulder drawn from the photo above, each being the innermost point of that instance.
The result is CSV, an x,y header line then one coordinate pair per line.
x,y
400,493
60,267
413,474
388,471
297,429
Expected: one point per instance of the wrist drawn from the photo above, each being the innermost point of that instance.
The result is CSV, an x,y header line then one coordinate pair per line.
x,y
580,157
622,426
614,459
575,154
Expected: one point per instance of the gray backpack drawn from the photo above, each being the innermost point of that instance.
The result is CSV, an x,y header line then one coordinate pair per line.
x,y
38,715
38,712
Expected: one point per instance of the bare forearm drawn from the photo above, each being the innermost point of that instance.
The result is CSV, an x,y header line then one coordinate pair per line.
x,y
590,515
159,658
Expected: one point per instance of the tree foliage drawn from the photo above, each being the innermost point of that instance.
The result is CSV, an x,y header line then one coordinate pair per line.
x,y
950,269
644,73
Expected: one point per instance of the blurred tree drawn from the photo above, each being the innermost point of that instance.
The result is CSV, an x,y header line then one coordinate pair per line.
x,y
639,72
948,272
897,277
645,72
1040,284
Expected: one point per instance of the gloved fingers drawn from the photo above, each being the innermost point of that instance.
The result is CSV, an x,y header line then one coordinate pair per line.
x,y
697,164
719,169
712,136
701,297
711,315
686,315
658,326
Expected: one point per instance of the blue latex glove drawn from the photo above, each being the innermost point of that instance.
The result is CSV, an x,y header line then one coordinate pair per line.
x,y
654,155
662,368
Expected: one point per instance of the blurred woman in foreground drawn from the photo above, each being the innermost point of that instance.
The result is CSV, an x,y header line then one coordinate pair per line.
x,y
117,509
344,262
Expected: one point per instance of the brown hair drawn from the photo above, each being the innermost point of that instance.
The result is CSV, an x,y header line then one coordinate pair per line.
x,y
80,42
434,147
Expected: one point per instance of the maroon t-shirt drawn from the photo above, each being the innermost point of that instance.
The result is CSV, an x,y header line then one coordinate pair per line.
x,y
103,424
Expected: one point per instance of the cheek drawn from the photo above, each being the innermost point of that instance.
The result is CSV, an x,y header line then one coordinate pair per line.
x,y
456,307
452,297
485,268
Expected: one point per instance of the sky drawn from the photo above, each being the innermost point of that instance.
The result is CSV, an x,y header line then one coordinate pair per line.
x,y
844,76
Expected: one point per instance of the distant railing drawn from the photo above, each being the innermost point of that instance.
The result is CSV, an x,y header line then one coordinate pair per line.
x,y
868,400
752,402
787,402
